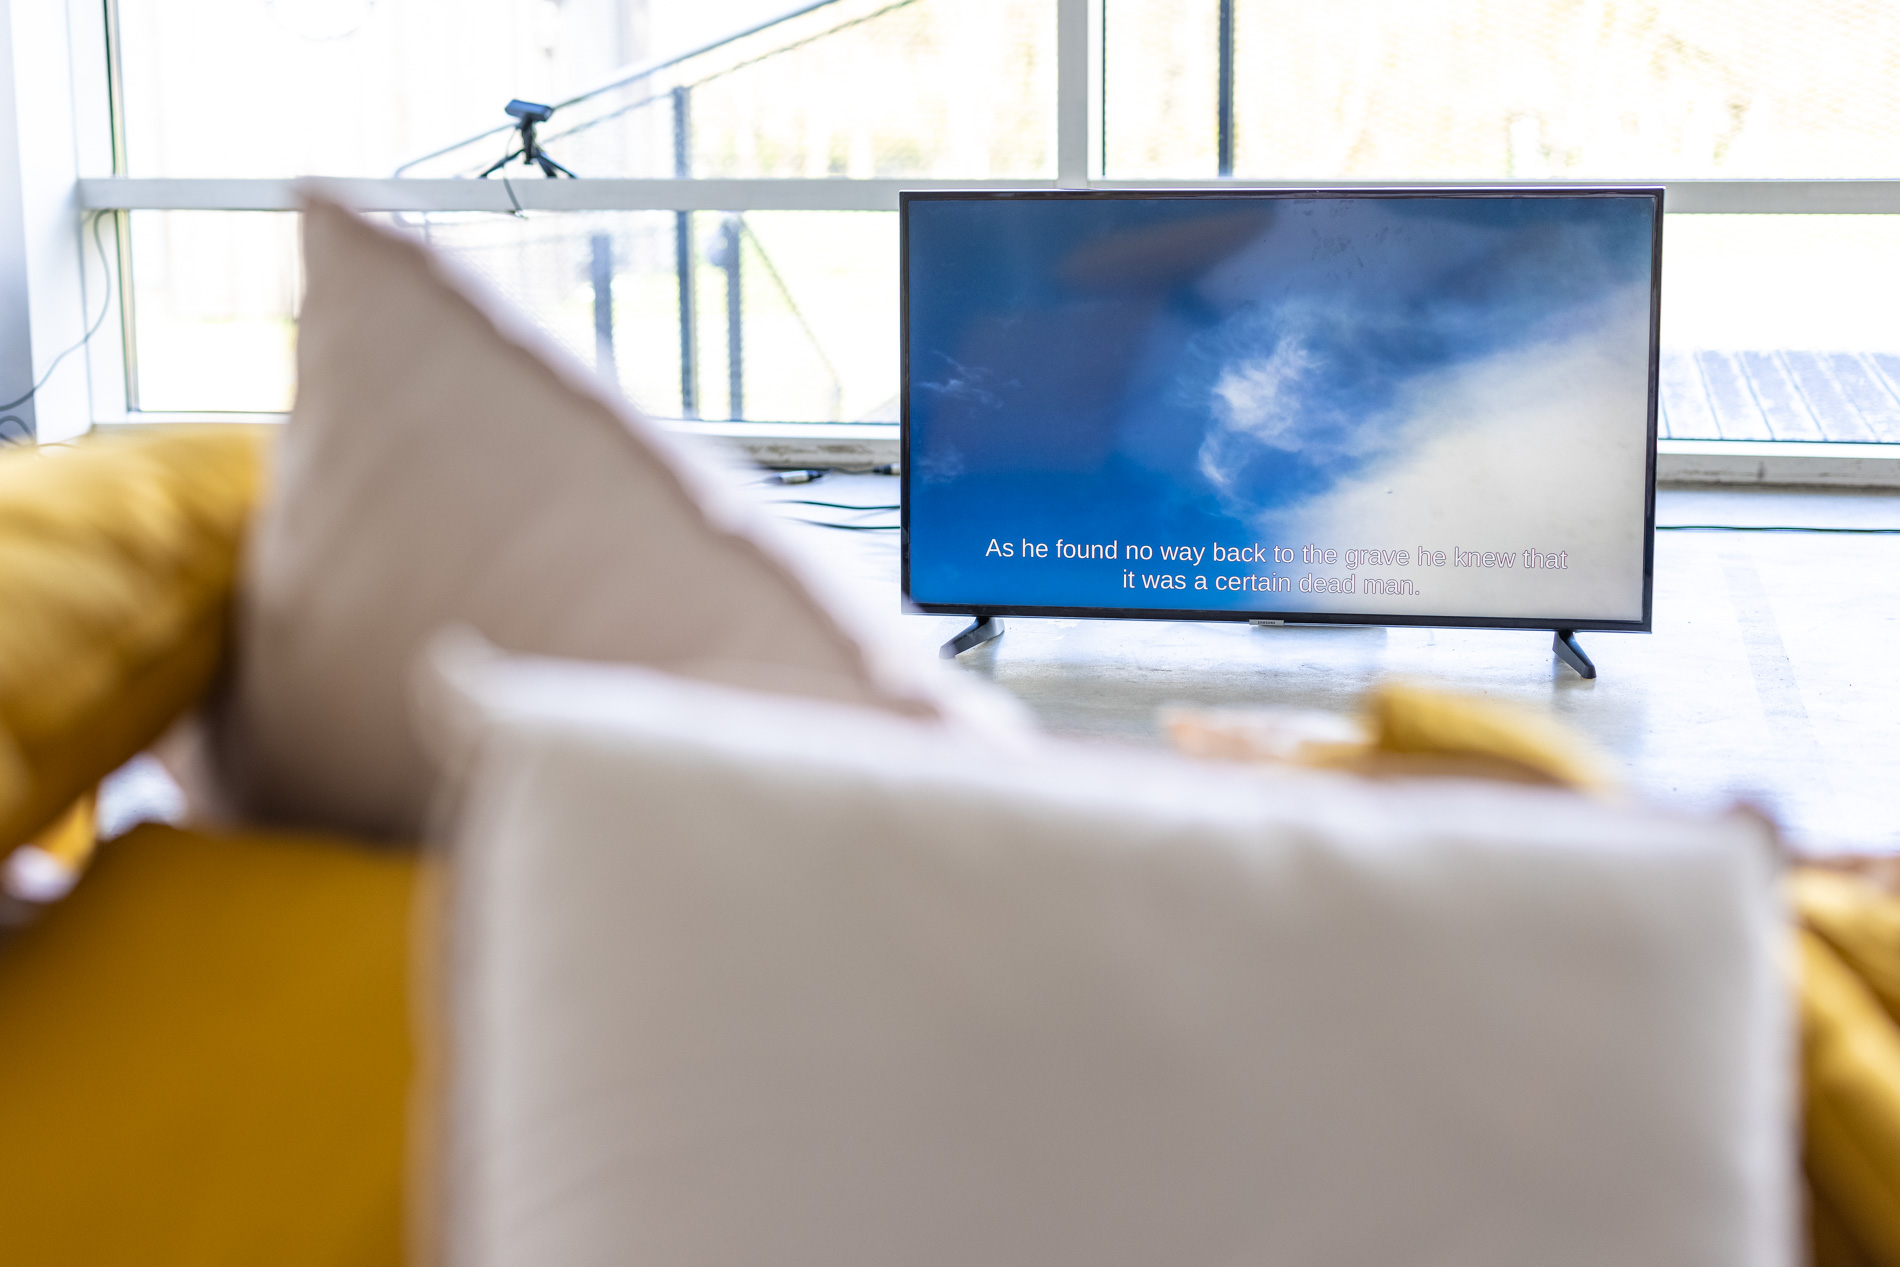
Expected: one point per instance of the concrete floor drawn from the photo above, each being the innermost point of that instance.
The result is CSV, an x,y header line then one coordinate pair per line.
x,y
1767,678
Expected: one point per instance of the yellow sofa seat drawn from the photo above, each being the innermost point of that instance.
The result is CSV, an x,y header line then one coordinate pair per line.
x,y
205,1054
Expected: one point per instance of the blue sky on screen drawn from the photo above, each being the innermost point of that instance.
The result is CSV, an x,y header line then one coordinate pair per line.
x,y
1222,370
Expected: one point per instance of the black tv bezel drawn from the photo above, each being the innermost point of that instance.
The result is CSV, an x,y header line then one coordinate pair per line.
x,y
983,610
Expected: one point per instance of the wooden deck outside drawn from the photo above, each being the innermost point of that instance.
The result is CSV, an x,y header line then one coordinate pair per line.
x,y
1842,396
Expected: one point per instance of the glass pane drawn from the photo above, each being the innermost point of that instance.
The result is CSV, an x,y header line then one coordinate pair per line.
x,y
214,298
1774,327
816,334
1496,89
816,306
857,88
1780,328
821,328
1161,72
952,88
344,87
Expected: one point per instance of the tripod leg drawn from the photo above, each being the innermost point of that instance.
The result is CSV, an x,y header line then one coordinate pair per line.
x,y
511,157
549,166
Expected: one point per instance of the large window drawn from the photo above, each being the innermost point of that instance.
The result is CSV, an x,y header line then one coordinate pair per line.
x,y
1776,327
729,251
766,314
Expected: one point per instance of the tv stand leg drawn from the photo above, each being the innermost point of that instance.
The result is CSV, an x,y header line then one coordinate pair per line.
x,y
1564,643
985,629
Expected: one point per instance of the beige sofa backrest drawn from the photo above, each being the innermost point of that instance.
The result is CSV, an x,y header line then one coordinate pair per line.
x,y
738,979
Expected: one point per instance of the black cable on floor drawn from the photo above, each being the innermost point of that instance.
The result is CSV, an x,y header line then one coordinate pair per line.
x,y
819,523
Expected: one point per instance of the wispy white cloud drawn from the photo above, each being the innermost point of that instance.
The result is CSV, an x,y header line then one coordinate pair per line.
x,y
1260,397
1540,446
964,385
1302,397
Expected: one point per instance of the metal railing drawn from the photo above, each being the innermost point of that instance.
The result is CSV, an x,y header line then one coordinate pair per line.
x,y
637,75
729,251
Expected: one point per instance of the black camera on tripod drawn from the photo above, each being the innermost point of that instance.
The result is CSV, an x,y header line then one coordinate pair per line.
x,y
528,115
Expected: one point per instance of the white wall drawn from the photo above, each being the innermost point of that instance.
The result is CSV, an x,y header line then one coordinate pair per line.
x,y
43,300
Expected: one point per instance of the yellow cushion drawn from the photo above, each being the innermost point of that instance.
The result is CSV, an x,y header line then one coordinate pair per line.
x,y
116,564
1830,1244
46,867
1407,731
205,1058
1419,721
1851,1089
1859,921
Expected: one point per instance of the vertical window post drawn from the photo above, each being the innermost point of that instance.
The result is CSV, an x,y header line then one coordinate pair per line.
x,y
685,256
1072,94
1098,107
731,239
1226,122
602,274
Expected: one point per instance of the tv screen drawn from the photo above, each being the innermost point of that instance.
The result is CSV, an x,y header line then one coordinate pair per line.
x,y
1360,406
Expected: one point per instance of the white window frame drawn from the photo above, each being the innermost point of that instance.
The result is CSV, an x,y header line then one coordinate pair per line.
x,y
62,172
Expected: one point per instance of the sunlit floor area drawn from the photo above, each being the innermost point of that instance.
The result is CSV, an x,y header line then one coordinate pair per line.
x,y
1767,678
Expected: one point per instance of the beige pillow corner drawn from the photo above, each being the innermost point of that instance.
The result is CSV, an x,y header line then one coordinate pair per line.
x,y
446,464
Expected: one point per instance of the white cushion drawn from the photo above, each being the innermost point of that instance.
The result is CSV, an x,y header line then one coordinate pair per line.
x,y
742,980
445,463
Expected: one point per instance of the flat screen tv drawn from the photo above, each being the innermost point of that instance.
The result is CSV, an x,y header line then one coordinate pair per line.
x,y
1418,406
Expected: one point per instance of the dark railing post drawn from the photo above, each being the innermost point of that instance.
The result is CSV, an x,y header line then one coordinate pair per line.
x,y
602,272
685,256
1102,87
735,317
1226,124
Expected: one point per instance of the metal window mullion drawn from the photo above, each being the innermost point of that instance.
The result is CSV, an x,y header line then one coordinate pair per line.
x,y
730,245
685,257
112,356
1098,89
1810,197
1072,93
1224,94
